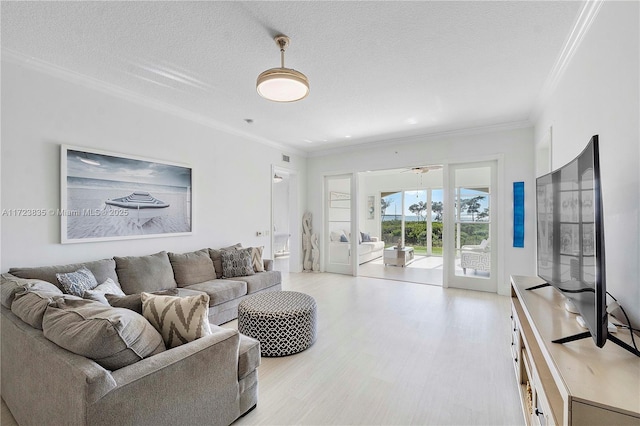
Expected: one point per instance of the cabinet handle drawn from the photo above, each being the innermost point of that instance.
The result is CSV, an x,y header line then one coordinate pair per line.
x,y
538,412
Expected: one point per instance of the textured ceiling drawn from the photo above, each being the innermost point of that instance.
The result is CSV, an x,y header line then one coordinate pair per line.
x,y
378,70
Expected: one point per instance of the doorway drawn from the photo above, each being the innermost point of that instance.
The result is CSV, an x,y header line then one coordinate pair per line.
x,y
404,206
471,226
285,235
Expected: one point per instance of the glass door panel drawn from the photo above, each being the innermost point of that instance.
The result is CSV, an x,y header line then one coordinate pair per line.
x,y
471,260
340,250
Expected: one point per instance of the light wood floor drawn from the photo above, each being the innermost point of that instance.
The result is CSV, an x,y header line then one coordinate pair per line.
x,y
391,352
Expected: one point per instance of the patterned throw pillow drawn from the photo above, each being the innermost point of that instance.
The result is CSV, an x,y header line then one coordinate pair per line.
x,y
77,282
178,319
237,263
256,258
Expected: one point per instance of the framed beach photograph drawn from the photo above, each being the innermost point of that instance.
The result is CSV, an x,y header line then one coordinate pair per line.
x,y
107,196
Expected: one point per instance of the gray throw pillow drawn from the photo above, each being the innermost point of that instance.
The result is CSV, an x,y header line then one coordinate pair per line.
x,y
145,273
216,256
134,301
31,302
11,285
237,263
76,283
112,337
192,268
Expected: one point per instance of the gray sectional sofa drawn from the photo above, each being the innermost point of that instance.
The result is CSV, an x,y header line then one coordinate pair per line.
x,y
211,380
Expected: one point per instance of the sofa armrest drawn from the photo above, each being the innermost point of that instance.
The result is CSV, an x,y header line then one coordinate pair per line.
x,y
198,381
374,239
268,264
43,383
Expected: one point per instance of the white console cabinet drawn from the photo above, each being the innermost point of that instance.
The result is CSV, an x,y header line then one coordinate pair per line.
x,y
575,383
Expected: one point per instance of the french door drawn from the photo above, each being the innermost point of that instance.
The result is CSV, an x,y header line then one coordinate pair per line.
x,y
341,231
471,226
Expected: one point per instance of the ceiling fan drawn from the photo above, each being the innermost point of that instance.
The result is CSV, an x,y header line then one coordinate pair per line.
x,y
422,169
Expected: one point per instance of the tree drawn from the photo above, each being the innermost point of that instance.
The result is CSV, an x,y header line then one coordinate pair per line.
x,y
383,205
484,214
472,206
436,207
418,208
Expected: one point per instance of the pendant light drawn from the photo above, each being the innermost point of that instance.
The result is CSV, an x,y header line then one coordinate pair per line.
x,y
282,84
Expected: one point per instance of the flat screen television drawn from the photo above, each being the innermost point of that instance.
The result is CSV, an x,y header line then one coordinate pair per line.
x,y
570,237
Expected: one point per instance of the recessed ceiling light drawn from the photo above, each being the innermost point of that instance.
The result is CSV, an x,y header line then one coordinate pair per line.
x,y
347,136
411,120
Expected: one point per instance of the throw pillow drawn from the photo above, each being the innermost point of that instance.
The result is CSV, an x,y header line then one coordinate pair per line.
x,y
178,319
216,256
98,294
76,283
134,301
145,273
236,263
112,337
256,259
192,268
11,285
336,235
31,302
366,238
344,239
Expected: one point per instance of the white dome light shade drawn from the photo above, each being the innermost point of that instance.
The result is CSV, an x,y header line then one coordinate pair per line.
x,y
282,85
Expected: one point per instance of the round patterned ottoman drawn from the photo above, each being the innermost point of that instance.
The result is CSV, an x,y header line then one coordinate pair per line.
x,y
283,321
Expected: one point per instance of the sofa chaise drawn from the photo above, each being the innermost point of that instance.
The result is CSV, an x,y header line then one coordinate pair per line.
x,y
211,379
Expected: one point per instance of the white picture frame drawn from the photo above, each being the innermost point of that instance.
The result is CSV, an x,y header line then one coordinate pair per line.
x,y
108,196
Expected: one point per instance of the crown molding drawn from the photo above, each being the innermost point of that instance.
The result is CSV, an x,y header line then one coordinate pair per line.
x,y
18,58
426,137
587,15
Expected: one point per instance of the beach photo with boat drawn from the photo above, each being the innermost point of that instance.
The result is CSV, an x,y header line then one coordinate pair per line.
x,y
110,196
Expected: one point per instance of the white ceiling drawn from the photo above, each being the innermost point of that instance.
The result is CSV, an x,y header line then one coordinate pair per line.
x,y
378,70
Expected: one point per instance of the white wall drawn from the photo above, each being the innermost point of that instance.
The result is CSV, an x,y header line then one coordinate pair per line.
x,y
514,146
232,176
599,93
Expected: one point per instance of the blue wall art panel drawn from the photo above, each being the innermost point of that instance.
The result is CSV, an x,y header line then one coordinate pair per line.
x,y
518,214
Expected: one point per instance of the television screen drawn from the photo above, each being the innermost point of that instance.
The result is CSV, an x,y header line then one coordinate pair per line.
x,y
570,252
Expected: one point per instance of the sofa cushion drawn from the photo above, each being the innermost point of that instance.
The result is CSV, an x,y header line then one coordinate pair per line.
x,y
101,269
31,302
99,293
10,285
236,263
77,282
216,256
261,280
192,268
256,259
179,320
134,301
145,273
112,337
221,291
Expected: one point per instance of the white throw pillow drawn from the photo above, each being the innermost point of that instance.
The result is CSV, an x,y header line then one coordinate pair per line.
x,y
98,293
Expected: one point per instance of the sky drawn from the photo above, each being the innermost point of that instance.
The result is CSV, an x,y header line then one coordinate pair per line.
x,y
107,167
